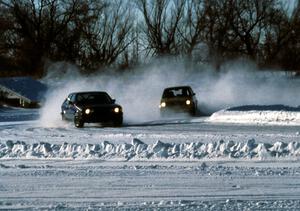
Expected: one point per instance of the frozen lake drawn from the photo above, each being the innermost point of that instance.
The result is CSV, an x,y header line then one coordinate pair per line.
x,y
165,164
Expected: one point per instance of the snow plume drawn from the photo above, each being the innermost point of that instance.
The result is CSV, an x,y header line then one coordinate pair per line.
x,y
139,90
241,83
138,150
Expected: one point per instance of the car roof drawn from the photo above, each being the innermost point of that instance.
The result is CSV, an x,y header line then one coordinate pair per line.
x,y
178,87
90,92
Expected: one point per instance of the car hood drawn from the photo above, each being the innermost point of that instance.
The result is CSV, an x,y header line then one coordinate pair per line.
x,y
175,99
99,106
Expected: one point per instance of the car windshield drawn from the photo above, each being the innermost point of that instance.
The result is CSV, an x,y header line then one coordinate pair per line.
x,y
93,98
176,92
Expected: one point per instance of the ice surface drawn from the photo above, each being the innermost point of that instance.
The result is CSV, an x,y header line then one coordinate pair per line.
x,y
173,164
94,185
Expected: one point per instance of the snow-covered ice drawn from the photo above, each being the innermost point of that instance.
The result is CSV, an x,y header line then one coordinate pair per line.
x,y
196,164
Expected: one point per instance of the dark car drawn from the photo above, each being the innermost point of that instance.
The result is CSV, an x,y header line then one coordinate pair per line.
x,y
91,107
179,99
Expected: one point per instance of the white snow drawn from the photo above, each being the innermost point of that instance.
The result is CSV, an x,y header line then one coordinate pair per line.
x,y
174,164
279,115
138,150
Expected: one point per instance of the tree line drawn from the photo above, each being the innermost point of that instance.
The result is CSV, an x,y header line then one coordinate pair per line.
x,y
100,34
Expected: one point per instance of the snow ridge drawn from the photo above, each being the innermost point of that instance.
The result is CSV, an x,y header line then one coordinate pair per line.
x,y
259,116
138,150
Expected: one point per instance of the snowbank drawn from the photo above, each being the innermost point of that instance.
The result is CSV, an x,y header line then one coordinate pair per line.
x,y
275,114
138,150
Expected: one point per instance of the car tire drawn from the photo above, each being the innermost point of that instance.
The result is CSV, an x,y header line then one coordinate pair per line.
x,y
118,122
193,111
78,122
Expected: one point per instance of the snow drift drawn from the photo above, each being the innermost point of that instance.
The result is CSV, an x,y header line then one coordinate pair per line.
x,y
272,114
138,150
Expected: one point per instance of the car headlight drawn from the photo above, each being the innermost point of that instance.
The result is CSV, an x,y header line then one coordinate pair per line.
x,y
188,102
116,110
87,111
162,105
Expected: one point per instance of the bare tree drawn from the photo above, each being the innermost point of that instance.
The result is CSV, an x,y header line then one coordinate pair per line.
x,y
5,39
107,37
162,18
290,57
218,34
234,28
89,33
247,22
96,34
46,29
192,28
281,44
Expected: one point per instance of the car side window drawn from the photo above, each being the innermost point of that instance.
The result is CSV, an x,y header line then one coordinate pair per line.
x,y
65,103
192,92
189,92
72,98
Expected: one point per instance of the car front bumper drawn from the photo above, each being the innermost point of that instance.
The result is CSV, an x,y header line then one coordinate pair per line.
x,y
177,109
101,117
